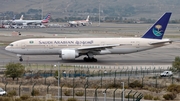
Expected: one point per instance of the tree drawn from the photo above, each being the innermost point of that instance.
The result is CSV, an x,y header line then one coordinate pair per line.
x,y
176,64
56,74
14,70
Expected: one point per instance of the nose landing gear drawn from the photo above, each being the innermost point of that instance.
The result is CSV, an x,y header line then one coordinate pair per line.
x,y
20,57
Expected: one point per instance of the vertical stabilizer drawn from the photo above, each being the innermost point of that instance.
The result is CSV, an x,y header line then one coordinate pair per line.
x,y
158,29
87,19
14,17
21,18
47,17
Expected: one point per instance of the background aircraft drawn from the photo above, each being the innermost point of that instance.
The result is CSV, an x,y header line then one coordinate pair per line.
x,y
71,48
79,22
7,22
27,22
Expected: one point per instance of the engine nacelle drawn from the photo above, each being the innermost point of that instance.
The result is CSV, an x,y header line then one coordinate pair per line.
x,y
68,54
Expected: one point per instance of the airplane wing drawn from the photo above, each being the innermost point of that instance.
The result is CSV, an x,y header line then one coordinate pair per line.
x,y
32,22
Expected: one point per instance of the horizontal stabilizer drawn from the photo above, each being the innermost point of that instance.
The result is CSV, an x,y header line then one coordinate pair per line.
x,y
156,43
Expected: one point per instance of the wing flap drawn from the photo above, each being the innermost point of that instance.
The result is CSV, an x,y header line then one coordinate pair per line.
x,y
102,47
98,47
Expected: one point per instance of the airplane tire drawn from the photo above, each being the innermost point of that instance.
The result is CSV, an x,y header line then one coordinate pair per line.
x,y
86,59
20,59
90,60
94,60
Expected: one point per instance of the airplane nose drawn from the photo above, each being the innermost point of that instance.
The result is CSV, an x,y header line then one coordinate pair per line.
x,y
7,48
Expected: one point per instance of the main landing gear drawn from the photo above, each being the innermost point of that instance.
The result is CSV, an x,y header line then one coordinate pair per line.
x,y
90,58
87,59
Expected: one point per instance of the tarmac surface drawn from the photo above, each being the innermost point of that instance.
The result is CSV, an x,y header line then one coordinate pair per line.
x,y
159,56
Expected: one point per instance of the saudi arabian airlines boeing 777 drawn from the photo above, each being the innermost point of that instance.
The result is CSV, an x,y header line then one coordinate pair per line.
x,y
71,48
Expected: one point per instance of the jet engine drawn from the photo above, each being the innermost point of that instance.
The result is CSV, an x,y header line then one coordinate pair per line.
x,y
68,54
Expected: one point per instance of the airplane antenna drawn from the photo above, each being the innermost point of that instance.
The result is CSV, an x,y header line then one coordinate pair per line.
x,y
42,10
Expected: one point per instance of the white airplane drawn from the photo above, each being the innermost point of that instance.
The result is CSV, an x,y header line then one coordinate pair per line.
x,y
26,22
71,48
6,22
79,22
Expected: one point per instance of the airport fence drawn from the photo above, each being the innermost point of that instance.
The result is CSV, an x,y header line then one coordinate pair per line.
x,y
96,71
92,81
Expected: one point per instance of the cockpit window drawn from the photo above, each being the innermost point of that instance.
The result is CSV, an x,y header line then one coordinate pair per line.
x,y
10,44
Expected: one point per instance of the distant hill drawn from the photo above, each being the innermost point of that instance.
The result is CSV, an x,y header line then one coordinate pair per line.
x,y
122,8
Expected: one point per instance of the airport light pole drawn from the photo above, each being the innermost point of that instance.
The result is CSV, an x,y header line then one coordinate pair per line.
x,y
42,10
58,79
104,96
105,93
123,90
99,13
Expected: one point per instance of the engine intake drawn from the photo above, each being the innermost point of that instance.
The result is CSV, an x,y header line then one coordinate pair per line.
x,y
68,54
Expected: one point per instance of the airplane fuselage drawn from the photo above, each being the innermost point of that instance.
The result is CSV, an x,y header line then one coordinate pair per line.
x,y
27,21
81,22
53,46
